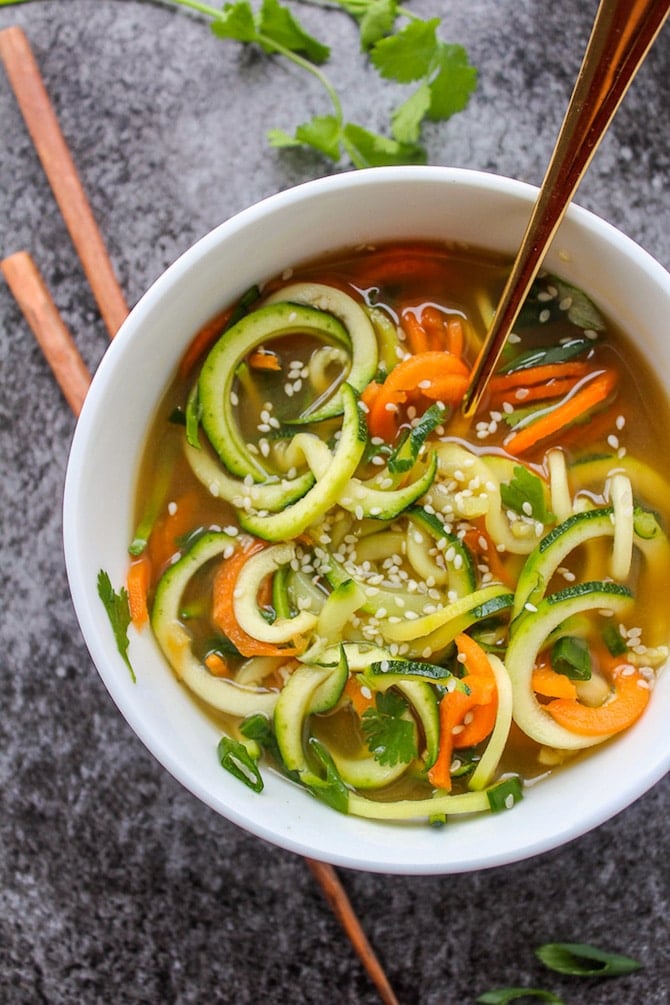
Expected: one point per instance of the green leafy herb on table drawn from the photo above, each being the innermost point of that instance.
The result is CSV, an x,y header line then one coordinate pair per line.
x,y
580,960
575,959
118,612
525,494
502,996
400,46
389,736
235,758
412,54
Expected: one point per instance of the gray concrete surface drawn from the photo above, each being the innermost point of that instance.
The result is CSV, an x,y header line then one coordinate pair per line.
x,y
117,886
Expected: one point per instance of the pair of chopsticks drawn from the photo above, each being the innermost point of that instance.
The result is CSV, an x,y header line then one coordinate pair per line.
x,y
69,369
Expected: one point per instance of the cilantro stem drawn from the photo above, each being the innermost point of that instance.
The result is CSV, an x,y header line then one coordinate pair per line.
x,y
201,8
305,64
275,46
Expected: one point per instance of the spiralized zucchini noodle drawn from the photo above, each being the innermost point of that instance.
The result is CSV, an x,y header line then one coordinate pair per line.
x,y
409,617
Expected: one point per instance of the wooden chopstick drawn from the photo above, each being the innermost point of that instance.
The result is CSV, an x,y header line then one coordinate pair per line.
x,y
334,893
41,313
69,369
45,132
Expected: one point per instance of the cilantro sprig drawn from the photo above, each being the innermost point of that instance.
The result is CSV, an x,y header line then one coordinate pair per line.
x,y
401,47
525,494
390,737
118,612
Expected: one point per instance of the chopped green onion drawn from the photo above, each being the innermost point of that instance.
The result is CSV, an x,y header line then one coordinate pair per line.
x,y
235,758
501,996
505,794
193,413
118,612
614,640
580,960
331,789
570,656
645,524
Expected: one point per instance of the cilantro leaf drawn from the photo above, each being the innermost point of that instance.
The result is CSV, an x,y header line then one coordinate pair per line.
x,y
322,132
118,612
368,149
408,117
526,492
377,21
390,737
236,21
276,24
409,54
453,84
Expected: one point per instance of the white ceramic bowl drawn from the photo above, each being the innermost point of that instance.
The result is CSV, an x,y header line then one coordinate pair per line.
x,y
435,203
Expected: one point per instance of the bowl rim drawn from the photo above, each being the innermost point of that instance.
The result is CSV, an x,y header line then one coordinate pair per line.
x,y
258,823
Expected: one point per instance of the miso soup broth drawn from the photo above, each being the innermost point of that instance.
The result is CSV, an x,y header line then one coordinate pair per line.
x,y
409,613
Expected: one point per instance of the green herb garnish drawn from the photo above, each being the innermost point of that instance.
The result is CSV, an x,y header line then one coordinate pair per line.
x,y
400,46
614,640
193,415
505,794
390,737
118,612
235,758
525,494
570,656
580,960
406,454
330,789
501,996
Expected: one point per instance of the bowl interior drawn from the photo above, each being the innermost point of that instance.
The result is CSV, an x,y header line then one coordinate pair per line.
x,y
478,210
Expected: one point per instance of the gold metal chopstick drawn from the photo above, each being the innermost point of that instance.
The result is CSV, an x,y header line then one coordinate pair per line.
x,y
622,34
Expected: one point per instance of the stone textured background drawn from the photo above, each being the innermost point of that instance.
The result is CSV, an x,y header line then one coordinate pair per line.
x,y
116,884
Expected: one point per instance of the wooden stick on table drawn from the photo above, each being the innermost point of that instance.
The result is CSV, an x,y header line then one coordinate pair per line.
x,y
33,297
45,132
70,371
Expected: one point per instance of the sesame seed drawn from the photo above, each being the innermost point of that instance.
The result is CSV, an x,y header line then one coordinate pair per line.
x,y
172,508
544,315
